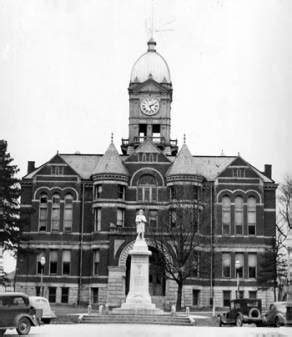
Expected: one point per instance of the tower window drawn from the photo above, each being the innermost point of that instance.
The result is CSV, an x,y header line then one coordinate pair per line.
x,y
142,131
156,133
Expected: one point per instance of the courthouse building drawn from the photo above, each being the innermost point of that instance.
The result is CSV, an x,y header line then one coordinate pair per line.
x,y
84,207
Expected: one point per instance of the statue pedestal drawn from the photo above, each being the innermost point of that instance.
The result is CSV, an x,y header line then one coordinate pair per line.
x,y
138,299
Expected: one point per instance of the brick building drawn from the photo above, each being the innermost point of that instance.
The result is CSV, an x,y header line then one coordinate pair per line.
x,y
84,209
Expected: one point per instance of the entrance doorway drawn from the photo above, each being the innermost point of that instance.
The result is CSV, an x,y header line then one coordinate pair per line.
x,y
156,274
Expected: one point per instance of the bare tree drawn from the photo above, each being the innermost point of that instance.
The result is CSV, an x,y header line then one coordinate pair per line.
x,y
179,242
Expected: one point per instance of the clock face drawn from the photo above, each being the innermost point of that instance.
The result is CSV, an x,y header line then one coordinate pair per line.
x,y
149,106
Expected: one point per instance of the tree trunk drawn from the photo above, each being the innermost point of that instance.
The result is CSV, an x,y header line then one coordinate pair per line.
x,y
179,295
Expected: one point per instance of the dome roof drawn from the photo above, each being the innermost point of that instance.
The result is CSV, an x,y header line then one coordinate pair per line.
x,y
150,65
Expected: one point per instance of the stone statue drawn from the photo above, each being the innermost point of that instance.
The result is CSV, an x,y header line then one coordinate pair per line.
x,y
140,223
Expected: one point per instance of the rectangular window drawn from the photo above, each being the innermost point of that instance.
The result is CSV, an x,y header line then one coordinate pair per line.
x,y
40,268
238,172
153,218
172,193
52,294
43,218
140,193
226,298
252,265
251,229
226,264
96,260
98,191
195,192
147,194
239,294
38,291
238,221
68,216
252,294
120,217
196,297
53,262
94,295
121,192
55,217
66,261
57,170
172,217
239,264
64,295
97,219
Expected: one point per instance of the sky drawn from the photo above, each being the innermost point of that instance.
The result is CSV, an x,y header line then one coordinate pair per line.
x,y
65,67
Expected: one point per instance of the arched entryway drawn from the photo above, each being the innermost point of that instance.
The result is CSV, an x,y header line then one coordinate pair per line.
x,y
156,273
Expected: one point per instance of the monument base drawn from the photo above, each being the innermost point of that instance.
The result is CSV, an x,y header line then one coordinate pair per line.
x,y
138,300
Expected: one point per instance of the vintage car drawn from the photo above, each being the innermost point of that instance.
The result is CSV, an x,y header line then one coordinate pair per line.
x,y
17,312
244,310
42,303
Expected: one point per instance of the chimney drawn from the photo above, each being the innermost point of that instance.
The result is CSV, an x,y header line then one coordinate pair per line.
x,y
30,166
268,171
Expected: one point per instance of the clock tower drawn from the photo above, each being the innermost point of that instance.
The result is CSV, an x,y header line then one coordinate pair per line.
x,y
150,97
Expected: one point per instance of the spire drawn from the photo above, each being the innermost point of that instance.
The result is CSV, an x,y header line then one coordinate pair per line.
x,y
183,164
110,162
151,45
112,138
184,138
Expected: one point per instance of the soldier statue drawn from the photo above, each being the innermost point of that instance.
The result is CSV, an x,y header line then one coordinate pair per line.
x,y
140,223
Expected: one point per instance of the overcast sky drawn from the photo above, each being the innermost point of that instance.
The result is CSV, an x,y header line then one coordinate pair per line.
x,y
65,67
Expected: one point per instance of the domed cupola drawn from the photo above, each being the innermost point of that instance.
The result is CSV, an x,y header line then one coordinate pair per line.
x,y
151,65
110,166
183,168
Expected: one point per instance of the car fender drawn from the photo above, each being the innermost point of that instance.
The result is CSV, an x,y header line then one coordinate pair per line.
x,y
31,319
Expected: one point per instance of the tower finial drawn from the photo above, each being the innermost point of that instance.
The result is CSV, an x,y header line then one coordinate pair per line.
x,y
112,138
184,138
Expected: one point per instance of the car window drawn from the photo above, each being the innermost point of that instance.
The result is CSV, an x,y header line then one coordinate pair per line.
x,y
4,302
18,301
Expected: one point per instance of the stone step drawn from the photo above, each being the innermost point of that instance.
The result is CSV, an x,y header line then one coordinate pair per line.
x,y
136,319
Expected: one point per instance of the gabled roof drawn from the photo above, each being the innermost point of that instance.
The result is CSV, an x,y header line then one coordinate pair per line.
x,y
211,166
183,164
110,162
83,164
147,147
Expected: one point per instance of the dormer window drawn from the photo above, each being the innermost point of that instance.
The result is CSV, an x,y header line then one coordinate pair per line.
x,y
57,170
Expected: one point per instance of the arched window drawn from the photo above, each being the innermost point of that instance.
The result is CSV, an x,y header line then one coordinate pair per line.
x,y
43,212
238,215
147,188
226,215
68,212
251,215
55,219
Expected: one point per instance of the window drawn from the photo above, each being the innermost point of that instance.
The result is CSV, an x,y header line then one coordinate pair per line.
x,y
195,192
252,265
226,264
68,213
98,191
196,297
66,261
238,172
97,219
172,192
153,218
226,215
43,215
53,262
238,216
52,294
142,132
239,263
121,192
251,215
57,170
96,260
55,220
38,291
226,298
239,294
94,295
252,294
156,133
120,217
172,217
64,295
147,190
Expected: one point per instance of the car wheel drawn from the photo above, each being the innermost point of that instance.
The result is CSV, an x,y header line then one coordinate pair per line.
x,y
23,326
238,321
2,332
277,322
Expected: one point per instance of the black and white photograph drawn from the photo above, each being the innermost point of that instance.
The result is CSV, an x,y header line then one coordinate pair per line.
x,y
146,168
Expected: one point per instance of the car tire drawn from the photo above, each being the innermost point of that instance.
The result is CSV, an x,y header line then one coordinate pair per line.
x,y
277,322
23,326
254,313
238,321
2,332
